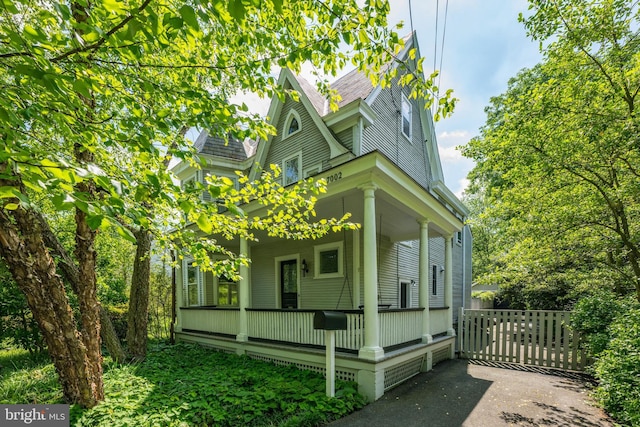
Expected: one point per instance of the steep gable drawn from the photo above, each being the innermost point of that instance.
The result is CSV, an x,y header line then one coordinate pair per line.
x,y
315,144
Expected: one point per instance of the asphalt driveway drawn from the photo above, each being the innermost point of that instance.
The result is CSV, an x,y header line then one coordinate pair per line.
x,y
467,393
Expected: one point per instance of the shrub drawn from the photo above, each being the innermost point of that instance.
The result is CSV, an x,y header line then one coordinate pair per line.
x,y
618,369
592,316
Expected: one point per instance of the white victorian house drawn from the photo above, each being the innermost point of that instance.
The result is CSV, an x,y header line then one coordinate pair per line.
x,y
399,279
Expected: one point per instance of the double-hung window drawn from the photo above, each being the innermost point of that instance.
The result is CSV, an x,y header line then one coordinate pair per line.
x,y
406,117
191,284
291,169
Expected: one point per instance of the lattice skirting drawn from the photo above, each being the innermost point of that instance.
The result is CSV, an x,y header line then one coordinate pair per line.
x,y
440,355
400,373
340,374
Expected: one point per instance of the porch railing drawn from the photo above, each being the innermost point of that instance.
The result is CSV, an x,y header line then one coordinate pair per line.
x,y
217,320
400,326
297,326
397,326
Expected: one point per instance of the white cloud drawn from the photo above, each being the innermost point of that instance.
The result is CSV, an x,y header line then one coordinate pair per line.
x,y
462,186
450,154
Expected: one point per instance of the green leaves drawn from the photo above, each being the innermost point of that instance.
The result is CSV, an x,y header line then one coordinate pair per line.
x,y
557,162
194,385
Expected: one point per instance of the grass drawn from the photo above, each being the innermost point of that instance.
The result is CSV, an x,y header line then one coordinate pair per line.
x,y
187,385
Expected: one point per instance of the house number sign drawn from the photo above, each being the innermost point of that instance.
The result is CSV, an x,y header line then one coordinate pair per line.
x,y
335,177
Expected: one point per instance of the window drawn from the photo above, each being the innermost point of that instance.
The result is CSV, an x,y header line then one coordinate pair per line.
x,y
434,280
191,284
292,124
406,117
459,237
291,169
227,293
328,260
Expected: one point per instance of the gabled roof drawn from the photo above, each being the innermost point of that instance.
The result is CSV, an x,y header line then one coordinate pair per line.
x,y
353,85
218,147
311,102
315,98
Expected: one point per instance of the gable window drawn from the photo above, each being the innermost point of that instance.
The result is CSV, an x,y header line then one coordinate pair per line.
x,y
406,117
328,261
291,169
292,124
192,282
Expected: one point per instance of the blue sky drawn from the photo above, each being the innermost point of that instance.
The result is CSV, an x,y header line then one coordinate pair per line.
x,y
484,47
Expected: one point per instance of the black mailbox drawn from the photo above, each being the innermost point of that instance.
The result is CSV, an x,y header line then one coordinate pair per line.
x,y
330,321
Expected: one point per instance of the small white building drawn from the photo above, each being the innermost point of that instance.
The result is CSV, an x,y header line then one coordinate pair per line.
x,y
399,279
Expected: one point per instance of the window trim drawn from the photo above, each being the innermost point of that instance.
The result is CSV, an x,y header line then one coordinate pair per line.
x,y
277,261
408,284
218,279
459,238
297,156
434,280
185,283
293,114
409,119
317,249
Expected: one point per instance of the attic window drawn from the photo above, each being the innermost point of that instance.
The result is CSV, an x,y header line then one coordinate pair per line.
x,y
406,117
292,124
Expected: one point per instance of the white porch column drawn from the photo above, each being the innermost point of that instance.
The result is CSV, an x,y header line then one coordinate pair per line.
x,y
356,268
243,294
371,349
423,280
448,283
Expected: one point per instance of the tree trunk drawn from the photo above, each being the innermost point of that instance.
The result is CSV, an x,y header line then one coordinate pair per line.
x,y
139,297
70,271
33,269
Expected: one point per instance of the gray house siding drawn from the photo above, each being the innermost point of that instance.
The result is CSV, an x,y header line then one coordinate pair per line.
x,y
309,140
346,138
436,257
314,293
385,135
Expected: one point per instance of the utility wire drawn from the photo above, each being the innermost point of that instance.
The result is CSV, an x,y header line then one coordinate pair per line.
x,y
444,31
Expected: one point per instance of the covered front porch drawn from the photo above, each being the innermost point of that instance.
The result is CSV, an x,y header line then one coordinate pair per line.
x,y
285,336
394,291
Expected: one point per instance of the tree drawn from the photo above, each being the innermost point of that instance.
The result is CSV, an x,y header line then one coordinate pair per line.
x,y
558,160
92,91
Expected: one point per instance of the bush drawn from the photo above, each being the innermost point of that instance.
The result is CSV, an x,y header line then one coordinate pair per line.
x,y
592,316
618,369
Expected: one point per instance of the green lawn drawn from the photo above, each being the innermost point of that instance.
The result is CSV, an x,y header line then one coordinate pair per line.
x,y
185,385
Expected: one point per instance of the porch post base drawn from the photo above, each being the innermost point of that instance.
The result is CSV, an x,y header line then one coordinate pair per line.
x,y
242,337
371,353
371,383
427,339
451,332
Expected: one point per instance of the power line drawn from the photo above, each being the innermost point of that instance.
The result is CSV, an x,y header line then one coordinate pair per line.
x,y
444,31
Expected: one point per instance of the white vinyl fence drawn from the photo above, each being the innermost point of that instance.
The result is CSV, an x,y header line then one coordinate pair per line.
x,y
535,337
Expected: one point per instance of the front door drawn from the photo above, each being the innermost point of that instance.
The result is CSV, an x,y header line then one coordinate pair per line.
x,y
405,294
289,283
